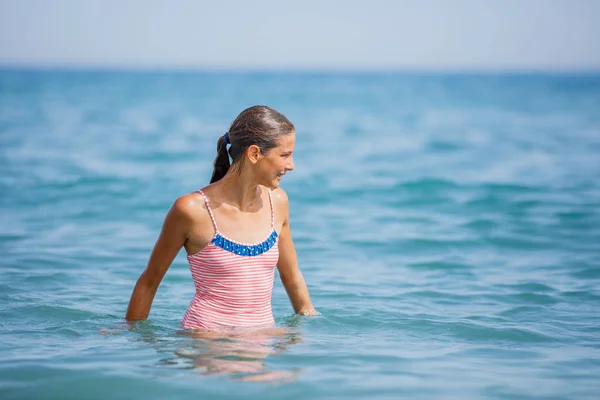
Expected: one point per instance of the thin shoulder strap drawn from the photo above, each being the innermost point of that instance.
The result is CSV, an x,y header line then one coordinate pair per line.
x,y
272,210
212,217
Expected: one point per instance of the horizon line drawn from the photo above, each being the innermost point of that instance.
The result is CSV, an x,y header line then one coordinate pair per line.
x,y
108,67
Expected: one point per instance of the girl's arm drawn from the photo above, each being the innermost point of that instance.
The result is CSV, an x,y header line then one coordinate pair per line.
x,y
172,237
288,263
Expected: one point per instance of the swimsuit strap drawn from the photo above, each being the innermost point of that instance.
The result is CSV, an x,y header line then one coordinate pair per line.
x,y
212,217
272,210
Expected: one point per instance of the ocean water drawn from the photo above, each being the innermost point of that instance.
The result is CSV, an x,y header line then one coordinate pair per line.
x,y
448,227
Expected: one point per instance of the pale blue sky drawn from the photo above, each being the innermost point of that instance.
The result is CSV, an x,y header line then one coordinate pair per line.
x,y
369,34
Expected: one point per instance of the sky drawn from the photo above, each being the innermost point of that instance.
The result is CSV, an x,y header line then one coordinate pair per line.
x,y
308,34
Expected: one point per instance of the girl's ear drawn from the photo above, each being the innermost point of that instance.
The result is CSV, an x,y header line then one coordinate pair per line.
x,y
253,153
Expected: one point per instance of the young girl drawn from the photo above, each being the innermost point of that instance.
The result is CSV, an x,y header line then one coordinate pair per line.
x,y
235,231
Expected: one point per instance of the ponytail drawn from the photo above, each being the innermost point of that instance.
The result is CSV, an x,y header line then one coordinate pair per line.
x,y
221,164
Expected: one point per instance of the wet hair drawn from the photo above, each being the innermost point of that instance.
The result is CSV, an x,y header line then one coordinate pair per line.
x,y
258,125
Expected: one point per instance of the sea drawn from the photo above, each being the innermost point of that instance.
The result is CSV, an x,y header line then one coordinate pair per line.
x,y
447,226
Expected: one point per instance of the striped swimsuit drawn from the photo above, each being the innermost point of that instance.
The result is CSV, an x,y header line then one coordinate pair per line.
x,y
234,281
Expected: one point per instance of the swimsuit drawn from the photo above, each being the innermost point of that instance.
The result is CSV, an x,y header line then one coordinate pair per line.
x,y
234,281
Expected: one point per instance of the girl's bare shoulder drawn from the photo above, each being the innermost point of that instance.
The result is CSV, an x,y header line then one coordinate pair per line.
x,y
190,206
280,200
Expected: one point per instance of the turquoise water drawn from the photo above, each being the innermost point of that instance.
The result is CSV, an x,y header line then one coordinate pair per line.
x,y
448,227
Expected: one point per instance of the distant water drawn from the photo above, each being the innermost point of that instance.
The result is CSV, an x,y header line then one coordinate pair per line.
x,y
448,227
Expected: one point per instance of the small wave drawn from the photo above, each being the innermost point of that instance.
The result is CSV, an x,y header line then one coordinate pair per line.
x,y
427,184
440,265
52,311
587,273
471,332
529,287
526,299
522,311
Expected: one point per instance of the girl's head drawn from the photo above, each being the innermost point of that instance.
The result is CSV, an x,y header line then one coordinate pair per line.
x,y
262,139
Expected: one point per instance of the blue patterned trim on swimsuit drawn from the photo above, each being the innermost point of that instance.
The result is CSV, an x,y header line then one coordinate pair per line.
x,y
244,249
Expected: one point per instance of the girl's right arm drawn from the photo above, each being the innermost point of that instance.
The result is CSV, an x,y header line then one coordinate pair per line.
x,y
172,237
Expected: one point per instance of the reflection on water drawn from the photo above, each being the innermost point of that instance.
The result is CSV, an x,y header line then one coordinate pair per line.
x,y
236,354
241,355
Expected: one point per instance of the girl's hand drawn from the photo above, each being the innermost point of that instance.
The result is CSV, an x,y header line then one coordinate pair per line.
x,y
307,313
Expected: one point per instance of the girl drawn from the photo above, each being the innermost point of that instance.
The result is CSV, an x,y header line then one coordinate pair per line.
x,y
235,231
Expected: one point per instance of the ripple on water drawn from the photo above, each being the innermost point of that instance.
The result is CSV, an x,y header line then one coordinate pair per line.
x,y
586,273
527,287
525,298
441,266
522,312
497,334
44,312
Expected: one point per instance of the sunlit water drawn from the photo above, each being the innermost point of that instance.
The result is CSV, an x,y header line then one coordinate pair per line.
x,y
448,227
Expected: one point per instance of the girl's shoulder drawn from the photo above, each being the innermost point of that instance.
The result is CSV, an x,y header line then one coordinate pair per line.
x,y
190,206
280,201
279,195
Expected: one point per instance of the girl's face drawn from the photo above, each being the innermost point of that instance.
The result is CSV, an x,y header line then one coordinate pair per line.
x,y
277,161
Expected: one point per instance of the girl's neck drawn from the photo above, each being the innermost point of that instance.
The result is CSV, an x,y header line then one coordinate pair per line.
x,y
241,191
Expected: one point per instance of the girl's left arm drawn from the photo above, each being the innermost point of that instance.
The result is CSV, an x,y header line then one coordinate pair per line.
x,y
290,274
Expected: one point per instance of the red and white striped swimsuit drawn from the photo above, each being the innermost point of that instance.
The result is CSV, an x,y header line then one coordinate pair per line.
x,y
234,281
